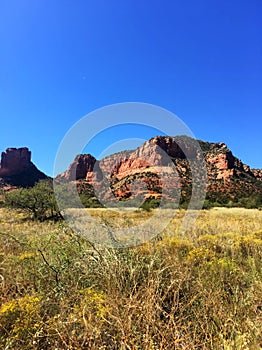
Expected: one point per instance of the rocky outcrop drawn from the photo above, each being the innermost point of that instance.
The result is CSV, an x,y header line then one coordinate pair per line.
x,y
110,165
16,168
80,168
223,165
14,161
257,173
140,168
157,152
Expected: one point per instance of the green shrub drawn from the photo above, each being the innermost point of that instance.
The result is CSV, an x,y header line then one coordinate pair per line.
x,y
39,200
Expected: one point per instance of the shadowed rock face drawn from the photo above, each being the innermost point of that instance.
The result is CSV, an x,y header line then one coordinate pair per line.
x,y
16,168
14,161
79,168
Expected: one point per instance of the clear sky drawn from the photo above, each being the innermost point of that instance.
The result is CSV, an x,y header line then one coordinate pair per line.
x,y
59,60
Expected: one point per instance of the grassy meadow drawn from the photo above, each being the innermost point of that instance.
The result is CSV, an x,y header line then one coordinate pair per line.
x,y
199,290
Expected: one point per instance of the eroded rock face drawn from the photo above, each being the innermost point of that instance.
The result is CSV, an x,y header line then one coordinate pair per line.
x,y
16,168
257,173
158,152
224,164
111,165
154,153
14,161
140,168
81,168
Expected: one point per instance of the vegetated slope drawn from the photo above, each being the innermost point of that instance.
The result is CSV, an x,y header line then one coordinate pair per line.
x,y
140,173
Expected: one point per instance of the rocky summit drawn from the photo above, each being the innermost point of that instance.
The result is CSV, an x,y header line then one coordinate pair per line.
x,y
136,173
16,169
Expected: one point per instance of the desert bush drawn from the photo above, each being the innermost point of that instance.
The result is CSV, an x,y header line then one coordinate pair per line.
x,y
39,200
20,319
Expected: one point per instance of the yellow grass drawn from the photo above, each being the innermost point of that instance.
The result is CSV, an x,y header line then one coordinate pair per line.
x,y
200,289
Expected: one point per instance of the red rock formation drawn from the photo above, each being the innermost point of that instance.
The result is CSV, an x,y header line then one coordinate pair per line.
x,y
14,161
257,173
81,168
153,154
16,168
223,164
110,165
145,165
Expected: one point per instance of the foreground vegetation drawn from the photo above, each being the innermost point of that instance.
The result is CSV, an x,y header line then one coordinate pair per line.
x,y
202,290
40,201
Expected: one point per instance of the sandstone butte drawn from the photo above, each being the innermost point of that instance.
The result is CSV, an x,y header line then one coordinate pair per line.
x,y
17,169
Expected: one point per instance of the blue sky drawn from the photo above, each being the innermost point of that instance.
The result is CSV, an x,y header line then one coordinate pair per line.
x,y
62,59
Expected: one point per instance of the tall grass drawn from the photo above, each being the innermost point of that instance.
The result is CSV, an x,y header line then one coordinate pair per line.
x,y
202,290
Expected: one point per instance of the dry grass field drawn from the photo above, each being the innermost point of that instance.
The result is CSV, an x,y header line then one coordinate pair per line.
x,y
199,290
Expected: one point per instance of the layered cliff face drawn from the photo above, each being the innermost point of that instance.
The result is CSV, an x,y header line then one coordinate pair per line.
x,y
14,161
222,164
16,168
140,169
80,168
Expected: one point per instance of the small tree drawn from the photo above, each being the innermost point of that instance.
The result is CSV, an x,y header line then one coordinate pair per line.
x,y
38,200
